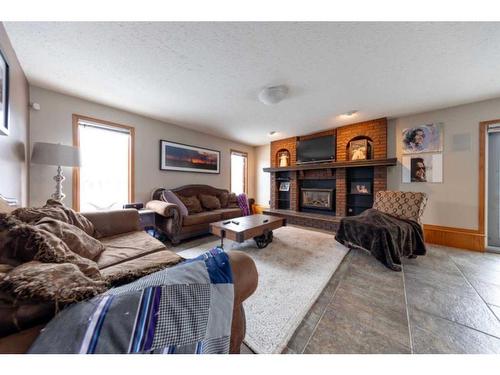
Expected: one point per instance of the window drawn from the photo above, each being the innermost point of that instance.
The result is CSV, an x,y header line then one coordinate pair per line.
x,y
106,178
239,171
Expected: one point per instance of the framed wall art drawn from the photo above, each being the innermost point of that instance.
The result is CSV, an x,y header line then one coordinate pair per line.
x,y
423,138
423,168
185,158
4,95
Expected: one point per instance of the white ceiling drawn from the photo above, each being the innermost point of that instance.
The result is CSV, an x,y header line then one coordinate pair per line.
x,y
206,76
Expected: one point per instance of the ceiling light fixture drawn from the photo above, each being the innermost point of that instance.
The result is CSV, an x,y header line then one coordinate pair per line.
x,y
350,113
273,94
272,133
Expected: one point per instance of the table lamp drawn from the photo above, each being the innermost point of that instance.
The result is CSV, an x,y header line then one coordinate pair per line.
x,y
58,155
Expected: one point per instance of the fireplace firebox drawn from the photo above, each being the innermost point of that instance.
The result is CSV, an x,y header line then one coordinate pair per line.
x,y
317,196
321,199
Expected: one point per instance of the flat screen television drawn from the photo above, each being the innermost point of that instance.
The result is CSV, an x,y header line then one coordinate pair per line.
x,y
316,150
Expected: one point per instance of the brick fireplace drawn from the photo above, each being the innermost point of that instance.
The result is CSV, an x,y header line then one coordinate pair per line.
x,y
332,196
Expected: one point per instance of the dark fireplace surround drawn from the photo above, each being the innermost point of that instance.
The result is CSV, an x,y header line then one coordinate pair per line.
x,y
317,196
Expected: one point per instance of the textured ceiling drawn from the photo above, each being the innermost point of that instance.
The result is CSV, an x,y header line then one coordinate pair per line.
x,y
206,76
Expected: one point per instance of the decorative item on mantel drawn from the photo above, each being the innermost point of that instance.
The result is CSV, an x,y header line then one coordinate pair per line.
x,y
360,149
283,158
58,155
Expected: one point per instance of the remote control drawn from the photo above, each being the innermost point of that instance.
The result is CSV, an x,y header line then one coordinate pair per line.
x,y
265,221
235,222
226,222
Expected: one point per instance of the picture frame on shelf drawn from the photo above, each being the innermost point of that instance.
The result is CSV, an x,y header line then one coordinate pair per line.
x,y
186,158
361,187
4,95
284,186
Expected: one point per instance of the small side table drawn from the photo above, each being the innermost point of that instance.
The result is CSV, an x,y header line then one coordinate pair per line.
x,y
147,219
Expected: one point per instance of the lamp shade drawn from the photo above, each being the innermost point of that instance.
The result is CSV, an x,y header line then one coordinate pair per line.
x,y
55,154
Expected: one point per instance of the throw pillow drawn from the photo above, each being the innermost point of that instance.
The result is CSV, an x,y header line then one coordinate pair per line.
x,y
76,239
243,204
232,201
55,210
170,197
50,282
192,204
224,199
209,202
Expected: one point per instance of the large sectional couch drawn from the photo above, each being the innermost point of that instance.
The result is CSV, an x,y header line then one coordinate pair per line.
x,y
128,250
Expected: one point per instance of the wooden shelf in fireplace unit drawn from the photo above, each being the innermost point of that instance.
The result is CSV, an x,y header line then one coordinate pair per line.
x,y
359,202
338,164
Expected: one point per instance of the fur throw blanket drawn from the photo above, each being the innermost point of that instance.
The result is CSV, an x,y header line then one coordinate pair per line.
x,y
61,283
387,237
55,210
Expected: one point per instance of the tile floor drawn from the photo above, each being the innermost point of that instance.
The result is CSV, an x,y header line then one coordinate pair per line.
x,y
444,302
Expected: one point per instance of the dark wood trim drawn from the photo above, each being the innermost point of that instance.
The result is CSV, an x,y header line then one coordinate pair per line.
x,y
338,164
131,160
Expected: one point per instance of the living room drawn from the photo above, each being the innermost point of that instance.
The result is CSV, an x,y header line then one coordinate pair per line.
x,y
249,187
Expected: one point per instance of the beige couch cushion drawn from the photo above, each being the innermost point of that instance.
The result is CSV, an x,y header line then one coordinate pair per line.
x,y
202,218
133,269
127,246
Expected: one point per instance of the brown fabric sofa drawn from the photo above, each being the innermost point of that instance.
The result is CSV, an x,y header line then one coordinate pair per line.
x,y
130,250
176,226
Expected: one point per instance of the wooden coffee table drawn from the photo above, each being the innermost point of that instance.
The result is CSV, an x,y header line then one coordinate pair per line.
x,y
259,227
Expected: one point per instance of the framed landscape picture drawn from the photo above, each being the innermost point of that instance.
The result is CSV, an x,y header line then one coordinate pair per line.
x,y
184,158
4,95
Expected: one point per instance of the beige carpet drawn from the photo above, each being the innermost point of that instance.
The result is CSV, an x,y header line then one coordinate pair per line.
x,y
293,270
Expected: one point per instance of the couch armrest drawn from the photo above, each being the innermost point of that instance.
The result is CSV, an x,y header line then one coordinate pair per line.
x,y
111,223
162,208
245,280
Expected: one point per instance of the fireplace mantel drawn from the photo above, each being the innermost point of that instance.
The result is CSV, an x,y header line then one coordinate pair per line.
x,y
340,164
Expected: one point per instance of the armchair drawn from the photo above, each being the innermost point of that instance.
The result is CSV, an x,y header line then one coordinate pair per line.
x,y
390,230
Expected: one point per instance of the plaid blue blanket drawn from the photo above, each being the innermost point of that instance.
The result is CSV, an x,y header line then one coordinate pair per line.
x,y
184,309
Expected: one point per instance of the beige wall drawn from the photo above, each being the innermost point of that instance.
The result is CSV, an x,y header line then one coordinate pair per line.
x,y
13,148
262,179
453,203
53,123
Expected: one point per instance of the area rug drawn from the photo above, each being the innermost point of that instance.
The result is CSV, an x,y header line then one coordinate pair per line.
x,y
293,270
